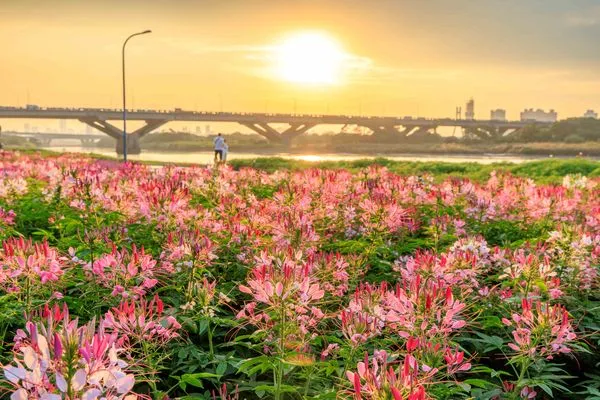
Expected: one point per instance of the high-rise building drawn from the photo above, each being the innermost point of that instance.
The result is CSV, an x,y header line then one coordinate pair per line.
x,y
539,115
498,115
470,112
590,114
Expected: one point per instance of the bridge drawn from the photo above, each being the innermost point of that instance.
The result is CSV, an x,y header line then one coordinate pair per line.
x,y
45,139
397,127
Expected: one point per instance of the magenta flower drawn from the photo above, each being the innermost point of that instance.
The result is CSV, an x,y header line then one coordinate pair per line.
x,y
541,330
60,360
24,262
378,380
142,321
128,274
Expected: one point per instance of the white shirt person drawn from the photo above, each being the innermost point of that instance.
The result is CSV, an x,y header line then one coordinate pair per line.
x,y
219,141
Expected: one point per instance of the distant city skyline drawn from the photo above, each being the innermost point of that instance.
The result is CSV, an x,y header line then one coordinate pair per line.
x,y
384,57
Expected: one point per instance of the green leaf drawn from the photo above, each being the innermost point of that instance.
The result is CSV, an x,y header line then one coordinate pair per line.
x,y
480,383
491,321
545,388
195,379
221,368
273,389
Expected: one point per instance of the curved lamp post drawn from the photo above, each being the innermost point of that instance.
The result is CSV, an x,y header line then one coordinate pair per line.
x,y
124,99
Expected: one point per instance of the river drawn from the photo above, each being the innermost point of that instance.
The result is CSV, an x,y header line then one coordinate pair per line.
x,y
206,157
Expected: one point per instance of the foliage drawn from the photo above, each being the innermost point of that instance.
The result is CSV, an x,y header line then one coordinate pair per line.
x,y
358,280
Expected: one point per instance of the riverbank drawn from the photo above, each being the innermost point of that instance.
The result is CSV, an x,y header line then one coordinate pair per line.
x,y
546,149
548,171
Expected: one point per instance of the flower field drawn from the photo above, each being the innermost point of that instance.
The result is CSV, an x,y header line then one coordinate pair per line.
x,y
123,281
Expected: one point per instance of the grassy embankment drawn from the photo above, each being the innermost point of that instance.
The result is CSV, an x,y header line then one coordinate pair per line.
x,y
550,171
353,144
356,144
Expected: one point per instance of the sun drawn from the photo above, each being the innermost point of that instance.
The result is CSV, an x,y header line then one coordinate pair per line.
x,y
309,58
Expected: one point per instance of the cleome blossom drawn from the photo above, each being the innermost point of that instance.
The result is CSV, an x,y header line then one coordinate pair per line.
x,y
56,360
128,274
378,380
423,308
283,290
141,321
23,261
541,330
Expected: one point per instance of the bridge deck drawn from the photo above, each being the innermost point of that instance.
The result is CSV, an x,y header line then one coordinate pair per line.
x,y
245,118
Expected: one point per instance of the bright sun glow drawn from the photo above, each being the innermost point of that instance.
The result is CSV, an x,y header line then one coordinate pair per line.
x,y
311,58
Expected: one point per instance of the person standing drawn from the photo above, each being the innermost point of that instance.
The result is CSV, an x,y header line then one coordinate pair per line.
x,y
225,151
219,141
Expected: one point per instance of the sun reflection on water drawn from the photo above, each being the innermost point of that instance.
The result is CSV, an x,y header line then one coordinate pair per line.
x,y
310,157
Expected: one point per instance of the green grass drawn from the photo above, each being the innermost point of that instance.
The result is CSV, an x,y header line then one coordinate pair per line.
x,y
548,171
545,171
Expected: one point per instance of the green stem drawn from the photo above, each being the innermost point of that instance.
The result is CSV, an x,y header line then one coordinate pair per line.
x,y
308,381
279,377
28,294
524,367
152,369
70,370
210,341
349,360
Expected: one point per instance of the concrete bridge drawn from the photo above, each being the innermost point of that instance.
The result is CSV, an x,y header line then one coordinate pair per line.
x,y
397,127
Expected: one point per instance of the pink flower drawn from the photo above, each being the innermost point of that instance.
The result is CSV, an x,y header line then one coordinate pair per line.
x,y
142,321
528,393
22,260
127,274
92,371
551,325
378,380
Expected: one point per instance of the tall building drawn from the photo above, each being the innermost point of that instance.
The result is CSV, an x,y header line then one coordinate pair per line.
x,y
590,114
539,115
498,115
470,112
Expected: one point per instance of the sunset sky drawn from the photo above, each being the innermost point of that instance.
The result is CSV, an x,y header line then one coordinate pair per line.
x,y
381,57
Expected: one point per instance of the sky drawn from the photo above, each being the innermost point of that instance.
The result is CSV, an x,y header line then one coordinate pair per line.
x,y
397,57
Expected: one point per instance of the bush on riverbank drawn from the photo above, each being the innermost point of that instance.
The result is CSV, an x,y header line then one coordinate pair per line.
x,y
546,170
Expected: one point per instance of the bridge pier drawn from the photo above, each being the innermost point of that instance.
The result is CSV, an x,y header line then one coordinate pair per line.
x,y
273,135
87,142
393,132
133,138
41,141
486,132
383,131
133,144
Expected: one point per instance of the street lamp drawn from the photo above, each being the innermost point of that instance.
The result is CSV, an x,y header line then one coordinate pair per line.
x,y
124,105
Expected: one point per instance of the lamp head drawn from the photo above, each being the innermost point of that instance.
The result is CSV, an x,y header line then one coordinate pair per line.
x,y
146,31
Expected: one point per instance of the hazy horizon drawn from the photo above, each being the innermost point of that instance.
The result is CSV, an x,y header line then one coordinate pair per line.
x,y
378,58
